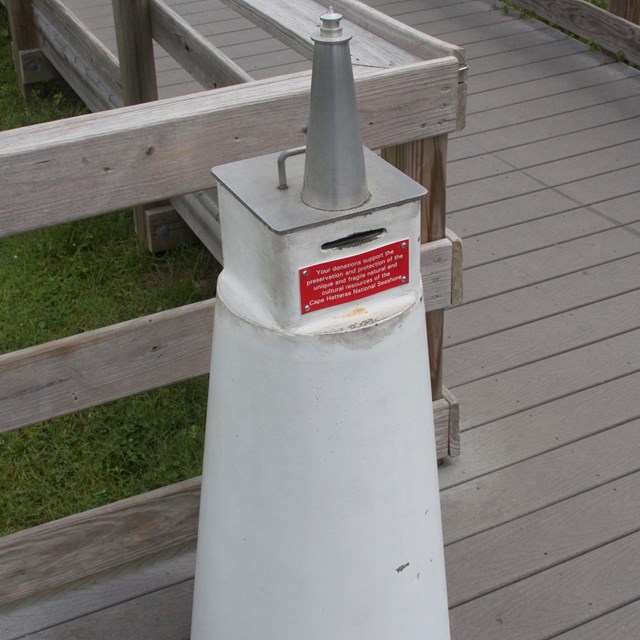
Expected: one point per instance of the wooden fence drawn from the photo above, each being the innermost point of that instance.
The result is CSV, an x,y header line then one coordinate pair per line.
x,y
81,167
613,30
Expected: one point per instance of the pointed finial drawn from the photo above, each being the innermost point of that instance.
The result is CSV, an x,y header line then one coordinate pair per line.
x,y
334,175
331,24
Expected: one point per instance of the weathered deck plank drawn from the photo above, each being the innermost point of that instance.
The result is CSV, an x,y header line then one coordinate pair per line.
x,y
543,231
535,384
505,495
551,262
502,443
533,110
557,599
491,315
526,344
624,622
538,541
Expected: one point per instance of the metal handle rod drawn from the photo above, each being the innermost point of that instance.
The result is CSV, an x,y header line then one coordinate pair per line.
x,y
282,172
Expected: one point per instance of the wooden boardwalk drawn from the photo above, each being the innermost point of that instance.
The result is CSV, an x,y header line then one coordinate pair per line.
x,y
542,509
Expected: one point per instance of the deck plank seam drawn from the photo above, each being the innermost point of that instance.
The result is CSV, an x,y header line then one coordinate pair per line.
x,y
534,165
525,408
511,63
578,206
552,503
518,45
617,225
555,188
540,318
598,617
481,132
453,37
553,76
618,65
551,565
438,17
587,55
526,363
544,452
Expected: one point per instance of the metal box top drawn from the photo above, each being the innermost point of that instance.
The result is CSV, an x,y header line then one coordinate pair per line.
x,y
254,182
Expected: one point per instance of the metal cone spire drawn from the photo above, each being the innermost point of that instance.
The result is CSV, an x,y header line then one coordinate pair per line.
x,y
334,177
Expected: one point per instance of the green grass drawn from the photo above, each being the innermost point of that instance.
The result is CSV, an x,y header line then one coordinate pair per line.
x,y
74,278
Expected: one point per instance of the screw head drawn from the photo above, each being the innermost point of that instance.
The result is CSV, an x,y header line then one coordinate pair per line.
x,y
307,307
305,273
404,245
404,278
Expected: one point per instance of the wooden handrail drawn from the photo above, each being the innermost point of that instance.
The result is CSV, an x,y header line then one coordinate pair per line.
x,y
206,63
76,168
89,369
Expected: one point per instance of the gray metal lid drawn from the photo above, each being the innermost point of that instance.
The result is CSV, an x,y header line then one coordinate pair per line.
x,y
254,182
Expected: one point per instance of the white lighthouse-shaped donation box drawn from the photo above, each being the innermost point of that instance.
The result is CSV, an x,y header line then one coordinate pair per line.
x,y
320,514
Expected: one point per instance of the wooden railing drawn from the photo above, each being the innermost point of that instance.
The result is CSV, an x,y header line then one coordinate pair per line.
x,y
411,94
609,31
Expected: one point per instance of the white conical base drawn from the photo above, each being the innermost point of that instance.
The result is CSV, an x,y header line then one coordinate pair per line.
x,y
320,514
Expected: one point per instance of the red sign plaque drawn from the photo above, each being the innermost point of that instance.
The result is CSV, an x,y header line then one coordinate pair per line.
x,y
365,274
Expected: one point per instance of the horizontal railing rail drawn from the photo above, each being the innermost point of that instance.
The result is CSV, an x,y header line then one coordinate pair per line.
x,y
66,170
95,367
205,62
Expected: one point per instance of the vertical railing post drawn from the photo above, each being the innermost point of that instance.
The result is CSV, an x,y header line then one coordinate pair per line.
x,y
627,9
23,28
30,64
137,71
426,162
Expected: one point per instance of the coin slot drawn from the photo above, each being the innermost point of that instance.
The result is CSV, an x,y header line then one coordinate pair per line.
x,y
354,239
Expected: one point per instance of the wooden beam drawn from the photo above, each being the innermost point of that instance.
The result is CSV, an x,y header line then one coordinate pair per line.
x,y
135,51
420,44
79,167
378,40
89,369
426,162
34,67
457,268
83,545
206,63
137,72
588,21
95,54
95,367
200,212
95,92
30,63
295,23
64,551
23,30
166,228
